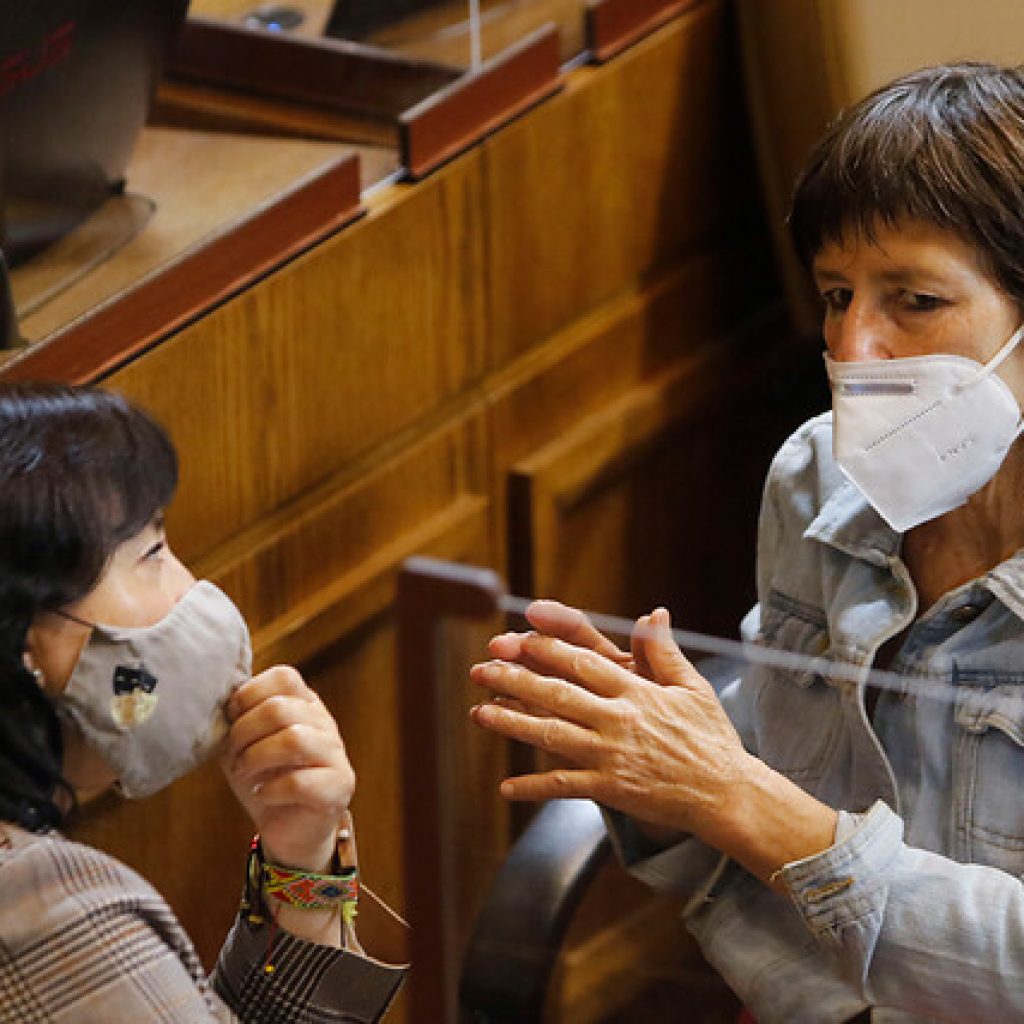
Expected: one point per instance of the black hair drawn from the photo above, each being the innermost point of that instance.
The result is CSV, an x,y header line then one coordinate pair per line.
x,y
81,470
943,145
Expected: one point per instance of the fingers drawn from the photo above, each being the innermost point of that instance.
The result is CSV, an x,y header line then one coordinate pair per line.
x,y
551,696
571,625
554,735
286,749
561,784
279,724
658,647
641,631
309,788
582,666
281,680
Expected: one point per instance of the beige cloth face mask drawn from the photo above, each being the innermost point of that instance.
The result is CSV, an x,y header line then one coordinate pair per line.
x,y
152,700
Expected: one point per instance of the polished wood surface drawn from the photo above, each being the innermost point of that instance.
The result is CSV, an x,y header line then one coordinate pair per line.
x,y
614,25
523,361
442,32
502,89
199,184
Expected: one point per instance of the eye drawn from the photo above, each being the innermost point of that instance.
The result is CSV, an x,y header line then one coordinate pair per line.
x,y
837,300
154,552
919,302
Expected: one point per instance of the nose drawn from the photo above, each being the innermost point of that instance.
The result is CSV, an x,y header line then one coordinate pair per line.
x,y
177,579
859,334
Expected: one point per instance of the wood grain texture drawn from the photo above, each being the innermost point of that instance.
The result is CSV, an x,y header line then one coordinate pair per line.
x,y
199,280
282,388
652,499
442,31
468,110
604,355
627,169
200,183
612,25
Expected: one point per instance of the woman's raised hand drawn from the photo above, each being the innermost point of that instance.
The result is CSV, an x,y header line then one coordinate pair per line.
x,y
286,762
643,733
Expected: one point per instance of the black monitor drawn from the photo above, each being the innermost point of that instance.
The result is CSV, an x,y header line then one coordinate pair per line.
x,y
76,80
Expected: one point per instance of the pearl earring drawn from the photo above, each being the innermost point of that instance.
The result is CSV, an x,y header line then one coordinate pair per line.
x,y
37,672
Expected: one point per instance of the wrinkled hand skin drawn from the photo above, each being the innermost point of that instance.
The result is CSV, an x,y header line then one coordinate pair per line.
x,y
642,732
286,763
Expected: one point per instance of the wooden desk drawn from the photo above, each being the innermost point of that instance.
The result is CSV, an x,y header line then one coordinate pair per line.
x,y
198,184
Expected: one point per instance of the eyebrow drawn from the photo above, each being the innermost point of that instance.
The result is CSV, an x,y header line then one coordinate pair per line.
x,y
897,275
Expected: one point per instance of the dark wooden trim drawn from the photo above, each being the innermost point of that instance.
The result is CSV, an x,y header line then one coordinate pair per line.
x,y
205,276
321,72
455,118
610,26
429,591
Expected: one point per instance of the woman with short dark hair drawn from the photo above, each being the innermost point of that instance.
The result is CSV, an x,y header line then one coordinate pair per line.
x,y
118,667
850,851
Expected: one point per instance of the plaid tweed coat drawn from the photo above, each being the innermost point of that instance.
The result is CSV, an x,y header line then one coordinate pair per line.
x,y
85,940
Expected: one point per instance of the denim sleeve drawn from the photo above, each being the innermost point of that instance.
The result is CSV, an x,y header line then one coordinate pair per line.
x,y
912,929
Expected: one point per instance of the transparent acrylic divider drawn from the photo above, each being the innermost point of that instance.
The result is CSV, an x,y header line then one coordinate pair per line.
x,y
482,943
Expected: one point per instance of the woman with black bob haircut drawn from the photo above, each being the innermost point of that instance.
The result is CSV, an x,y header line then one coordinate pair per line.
x,y
852,845
118,668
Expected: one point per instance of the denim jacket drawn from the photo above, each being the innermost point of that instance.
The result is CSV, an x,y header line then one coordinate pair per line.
x,y
918,908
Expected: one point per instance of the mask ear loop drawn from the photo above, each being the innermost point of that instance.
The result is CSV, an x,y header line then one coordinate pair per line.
x,y
996,361
993,364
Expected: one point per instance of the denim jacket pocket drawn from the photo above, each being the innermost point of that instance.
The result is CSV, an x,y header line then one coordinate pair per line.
x,y
990,772
797,713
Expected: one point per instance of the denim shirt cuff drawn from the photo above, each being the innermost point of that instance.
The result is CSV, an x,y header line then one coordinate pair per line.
x,y
850,879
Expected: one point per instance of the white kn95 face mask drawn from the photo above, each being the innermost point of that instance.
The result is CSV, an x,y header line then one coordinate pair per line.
x,y
920,435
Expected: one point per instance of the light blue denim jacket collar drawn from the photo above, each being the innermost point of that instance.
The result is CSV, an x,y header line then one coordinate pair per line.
x,y
848,523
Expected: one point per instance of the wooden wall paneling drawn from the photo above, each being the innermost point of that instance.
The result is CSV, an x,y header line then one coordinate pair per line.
x,y
632,166
357,678
653,498
308,371
605,354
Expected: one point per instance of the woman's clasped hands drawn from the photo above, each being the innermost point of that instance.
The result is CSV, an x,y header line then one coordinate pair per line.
x,y
643,733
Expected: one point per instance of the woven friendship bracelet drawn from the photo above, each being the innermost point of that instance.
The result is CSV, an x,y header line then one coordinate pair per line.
x,y
306,890
310,891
